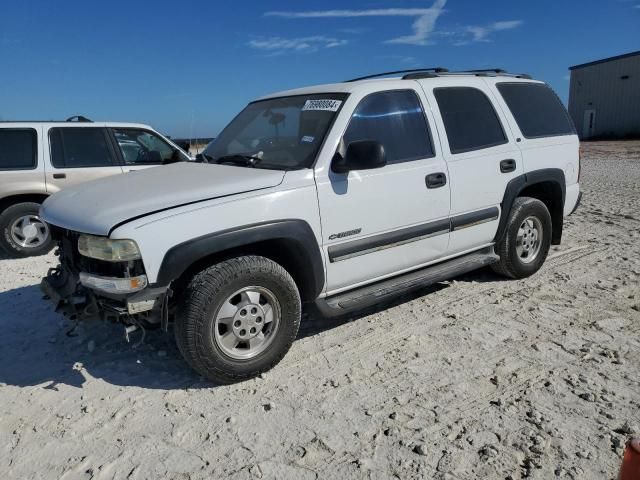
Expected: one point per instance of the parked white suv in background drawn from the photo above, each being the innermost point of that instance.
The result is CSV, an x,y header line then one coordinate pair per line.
x,y
38,159
342,195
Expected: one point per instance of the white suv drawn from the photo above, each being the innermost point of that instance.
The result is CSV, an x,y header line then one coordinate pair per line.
x,y
342,195
38,159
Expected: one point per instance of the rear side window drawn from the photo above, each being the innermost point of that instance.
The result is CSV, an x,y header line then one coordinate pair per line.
x,y
469,118
396,120
18,147
537,109
76,147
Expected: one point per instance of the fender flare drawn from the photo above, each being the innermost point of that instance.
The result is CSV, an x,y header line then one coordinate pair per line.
x,y
296,232
519,183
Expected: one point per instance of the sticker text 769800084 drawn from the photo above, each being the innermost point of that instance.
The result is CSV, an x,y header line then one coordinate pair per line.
x,y
322,104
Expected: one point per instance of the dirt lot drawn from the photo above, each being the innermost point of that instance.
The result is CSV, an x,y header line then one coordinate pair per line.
x,y
477,378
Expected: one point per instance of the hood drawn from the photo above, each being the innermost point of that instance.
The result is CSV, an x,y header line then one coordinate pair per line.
x,y
96,207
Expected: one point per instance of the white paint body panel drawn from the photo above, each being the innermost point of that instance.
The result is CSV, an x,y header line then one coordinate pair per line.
x,y
378,201
155,234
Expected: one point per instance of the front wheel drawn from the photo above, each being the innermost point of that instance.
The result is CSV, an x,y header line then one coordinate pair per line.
x,y
526,241
238,318
22,232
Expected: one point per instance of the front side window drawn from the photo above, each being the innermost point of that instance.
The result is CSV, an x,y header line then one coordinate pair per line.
x,y
145,148
18,148
469,119
280,133
78,147
397,121
537,109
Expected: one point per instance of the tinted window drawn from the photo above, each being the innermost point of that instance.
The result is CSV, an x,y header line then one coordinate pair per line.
x,y
394,119
137,147
73,147
469,119
537,109
17,148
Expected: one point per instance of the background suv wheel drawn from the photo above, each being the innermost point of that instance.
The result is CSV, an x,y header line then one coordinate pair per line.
x,y
525,244
22,232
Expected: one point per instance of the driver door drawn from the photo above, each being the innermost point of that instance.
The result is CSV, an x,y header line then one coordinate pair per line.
x,y
383,221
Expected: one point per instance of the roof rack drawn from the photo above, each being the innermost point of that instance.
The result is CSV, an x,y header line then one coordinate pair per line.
x,y
78,118
417,73
411,70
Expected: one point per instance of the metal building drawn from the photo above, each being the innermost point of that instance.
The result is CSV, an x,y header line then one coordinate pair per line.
x,y
604,97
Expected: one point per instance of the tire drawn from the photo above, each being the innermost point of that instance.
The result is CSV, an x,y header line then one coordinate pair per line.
x,y
516,259
14,240
223,304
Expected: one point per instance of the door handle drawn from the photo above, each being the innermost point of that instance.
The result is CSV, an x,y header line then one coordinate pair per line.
x,y
508,165
436,180
59,175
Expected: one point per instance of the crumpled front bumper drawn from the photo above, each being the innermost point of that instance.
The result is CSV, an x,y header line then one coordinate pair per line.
x,y
78,302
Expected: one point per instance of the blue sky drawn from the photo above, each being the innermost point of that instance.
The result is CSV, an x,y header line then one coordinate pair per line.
x,y
188,67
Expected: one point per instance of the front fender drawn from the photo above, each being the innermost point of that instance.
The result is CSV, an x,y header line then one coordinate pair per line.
x,y
296,233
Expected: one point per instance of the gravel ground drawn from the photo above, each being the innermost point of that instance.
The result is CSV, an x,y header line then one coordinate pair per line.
x,y
476,378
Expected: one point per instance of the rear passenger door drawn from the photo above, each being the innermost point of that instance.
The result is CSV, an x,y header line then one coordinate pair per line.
x,y
79,154
383,221
481,154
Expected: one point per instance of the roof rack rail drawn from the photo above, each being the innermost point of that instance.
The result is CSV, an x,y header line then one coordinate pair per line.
x,y
78,118
488,71
412,70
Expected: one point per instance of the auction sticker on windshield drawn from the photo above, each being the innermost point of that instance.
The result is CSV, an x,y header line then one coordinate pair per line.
x,y
324,104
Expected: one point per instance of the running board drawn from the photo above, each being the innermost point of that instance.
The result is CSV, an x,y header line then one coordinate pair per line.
x,y
369,295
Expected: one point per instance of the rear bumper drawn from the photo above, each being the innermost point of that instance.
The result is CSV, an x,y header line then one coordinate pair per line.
x,y
572,199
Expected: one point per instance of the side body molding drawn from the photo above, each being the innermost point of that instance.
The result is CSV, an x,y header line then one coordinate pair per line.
x,y
555,177
297,237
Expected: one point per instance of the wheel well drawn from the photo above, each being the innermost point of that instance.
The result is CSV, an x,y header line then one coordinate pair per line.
x,y
549,193
21,198
288,253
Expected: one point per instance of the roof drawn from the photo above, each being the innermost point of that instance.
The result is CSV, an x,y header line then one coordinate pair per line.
x,y
63,123
357,84
605,60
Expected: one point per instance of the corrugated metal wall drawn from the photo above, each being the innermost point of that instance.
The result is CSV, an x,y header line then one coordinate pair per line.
x,y
604,104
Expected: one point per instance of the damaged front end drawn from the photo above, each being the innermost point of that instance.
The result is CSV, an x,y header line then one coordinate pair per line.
x,y
82,287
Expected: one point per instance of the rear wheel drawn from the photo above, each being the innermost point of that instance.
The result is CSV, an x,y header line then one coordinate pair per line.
x,y
22,232
238,318
525,244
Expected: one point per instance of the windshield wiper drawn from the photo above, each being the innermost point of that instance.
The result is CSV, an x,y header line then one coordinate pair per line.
x,y
244,160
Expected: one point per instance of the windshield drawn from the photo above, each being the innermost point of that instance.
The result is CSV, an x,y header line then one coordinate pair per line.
x,y
281,133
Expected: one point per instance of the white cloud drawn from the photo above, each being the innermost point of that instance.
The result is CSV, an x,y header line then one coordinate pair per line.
x,y
379,12
423,25
481,33
303,44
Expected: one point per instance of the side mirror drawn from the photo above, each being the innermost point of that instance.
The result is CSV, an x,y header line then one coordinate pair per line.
x,y
360,155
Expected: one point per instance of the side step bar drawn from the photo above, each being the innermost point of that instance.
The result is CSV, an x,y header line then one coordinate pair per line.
x,y
369,295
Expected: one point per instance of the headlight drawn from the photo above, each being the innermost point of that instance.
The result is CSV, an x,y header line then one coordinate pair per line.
x,y
103,248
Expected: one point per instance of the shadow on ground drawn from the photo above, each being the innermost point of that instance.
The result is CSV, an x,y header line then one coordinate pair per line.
x,y
41,348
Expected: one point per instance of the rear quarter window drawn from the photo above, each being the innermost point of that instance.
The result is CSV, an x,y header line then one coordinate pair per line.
x,y
537,109
18,147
